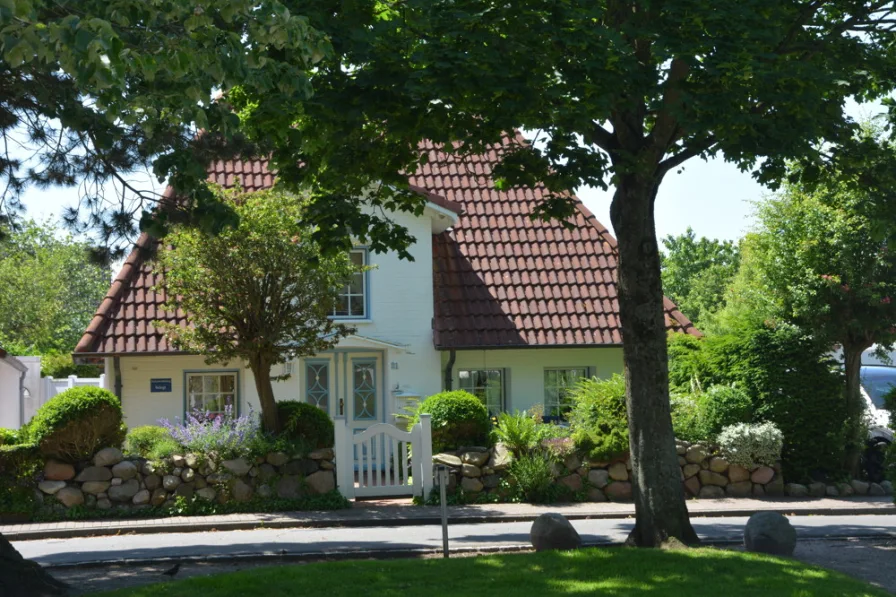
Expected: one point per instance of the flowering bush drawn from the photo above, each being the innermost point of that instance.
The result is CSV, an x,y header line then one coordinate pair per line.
x,y
558,448
746,444
225,435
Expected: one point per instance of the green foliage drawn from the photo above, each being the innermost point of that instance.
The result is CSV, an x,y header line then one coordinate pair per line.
x,y
686,418
518,431
8,436
306,423
890,404
16,498
790,381
458,419
141,441
90,97
49,291
76,423
60,365
532,474
546,431
721,406
164,448
598,419
890,463
745,444
261,291
696,273
20,460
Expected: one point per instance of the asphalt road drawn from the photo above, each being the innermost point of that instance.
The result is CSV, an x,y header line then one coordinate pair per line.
x,y
312,542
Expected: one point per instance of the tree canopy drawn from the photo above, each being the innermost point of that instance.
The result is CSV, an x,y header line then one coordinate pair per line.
x,y
696,273
260,292
95,90
49,290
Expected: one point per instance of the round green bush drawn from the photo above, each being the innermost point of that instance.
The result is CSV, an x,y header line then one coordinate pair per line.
x,y
458,419
598,418
143,440
8,437
306,423
76,423
722,406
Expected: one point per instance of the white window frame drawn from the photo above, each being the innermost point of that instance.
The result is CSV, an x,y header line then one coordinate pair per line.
x,y
188,394
481,391
346,291
555,407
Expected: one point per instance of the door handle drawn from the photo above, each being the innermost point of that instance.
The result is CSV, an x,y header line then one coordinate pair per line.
x,y
341,407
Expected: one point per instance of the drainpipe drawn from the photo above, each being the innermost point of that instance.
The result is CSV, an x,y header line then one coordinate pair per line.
x,y
452,356
116,366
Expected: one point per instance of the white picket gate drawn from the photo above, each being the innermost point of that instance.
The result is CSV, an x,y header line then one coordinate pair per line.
x,y
379,461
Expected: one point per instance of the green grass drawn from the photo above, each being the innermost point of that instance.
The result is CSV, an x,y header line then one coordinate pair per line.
x,y
601,571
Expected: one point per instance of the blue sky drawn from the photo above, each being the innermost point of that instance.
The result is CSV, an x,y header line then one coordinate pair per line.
x,y
713,197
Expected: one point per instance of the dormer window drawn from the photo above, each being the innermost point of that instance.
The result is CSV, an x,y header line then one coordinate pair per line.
x,y
352,300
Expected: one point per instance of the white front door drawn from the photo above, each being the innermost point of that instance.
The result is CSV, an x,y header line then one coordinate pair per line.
x,y
346,383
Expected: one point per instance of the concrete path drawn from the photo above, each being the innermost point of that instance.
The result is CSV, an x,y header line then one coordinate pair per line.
x,y
367,514
390,540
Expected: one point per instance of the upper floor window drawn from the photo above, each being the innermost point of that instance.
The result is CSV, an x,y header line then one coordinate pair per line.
x,y
351,302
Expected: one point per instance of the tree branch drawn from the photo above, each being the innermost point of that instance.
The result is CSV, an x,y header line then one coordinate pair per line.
x,y
685,154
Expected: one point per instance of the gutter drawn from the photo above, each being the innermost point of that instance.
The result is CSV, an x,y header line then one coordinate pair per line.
x,y
116,367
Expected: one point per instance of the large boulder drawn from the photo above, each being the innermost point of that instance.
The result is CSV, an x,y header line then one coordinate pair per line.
x,y
477,459
94,473
241,491
796,490
447,459
618,472
501,458
124,470
70,497
619,490
237,466
553,531
50,487
737,474
321,482
125,491
289,487
762,475
58,471
108,457
771,533
598,477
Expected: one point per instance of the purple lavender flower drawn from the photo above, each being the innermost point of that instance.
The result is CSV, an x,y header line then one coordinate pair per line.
x,y
221,433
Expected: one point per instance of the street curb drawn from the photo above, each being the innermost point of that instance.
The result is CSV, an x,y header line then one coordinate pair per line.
x,y
286,557
240,525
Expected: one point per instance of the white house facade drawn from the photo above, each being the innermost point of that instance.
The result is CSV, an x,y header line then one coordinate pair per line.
x,y
510,309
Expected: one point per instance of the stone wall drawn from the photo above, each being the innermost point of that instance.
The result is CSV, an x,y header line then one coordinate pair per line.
x,y
111,479
479,470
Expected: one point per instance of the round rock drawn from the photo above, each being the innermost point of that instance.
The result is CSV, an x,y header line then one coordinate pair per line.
x,y
553,531
125,469
108,457
771,533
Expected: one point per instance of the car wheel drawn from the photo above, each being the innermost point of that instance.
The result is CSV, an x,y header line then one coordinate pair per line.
x,y
873,460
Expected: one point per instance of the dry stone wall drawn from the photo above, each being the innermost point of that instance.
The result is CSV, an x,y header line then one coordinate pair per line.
x,y
112,479
704,474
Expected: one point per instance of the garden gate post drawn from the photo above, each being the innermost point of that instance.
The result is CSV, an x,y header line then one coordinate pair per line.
x,y
345,458
425,466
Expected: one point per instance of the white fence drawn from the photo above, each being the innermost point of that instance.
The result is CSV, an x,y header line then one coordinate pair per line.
x,y
49,387
383,460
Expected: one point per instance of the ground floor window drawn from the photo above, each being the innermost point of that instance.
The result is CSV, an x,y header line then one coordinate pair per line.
x,y
487,385
317,384
558,386
211,392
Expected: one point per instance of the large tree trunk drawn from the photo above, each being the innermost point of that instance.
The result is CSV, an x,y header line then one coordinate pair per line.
x,y
855,406
660,510
22,578
261,369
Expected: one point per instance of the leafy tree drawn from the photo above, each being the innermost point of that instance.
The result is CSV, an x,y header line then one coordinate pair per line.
x,y
97,90
260,292
696,273
823,258
616,92
49,290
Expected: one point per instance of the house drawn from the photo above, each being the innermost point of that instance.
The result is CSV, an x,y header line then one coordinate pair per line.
x,y
510,309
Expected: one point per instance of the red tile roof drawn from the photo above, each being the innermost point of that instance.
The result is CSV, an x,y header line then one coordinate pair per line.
x,y
500,278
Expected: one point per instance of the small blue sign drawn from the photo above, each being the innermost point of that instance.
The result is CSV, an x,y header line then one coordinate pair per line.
x,y
160,385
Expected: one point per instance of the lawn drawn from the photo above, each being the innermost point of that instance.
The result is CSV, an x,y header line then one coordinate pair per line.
x,y
601,571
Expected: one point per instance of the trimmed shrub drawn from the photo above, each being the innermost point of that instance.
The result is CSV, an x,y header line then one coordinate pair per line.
x,y
458,419
76,423
306,423
686,418
791,382
598,419
533,478
721,406
745,444
142,440
19,460
517,431
8,437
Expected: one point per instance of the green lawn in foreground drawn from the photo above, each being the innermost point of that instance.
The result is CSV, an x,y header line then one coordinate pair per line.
x,y
601,571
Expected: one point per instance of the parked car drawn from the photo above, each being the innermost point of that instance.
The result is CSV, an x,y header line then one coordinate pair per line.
x,y
877,380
